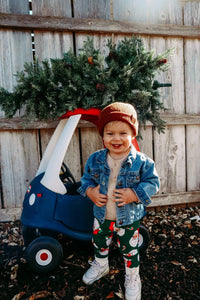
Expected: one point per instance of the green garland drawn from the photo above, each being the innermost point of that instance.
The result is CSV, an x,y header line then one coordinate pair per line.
x,y
52,87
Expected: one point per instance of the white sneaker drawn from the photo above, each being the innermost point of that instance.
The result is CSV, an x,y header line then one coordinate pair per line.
x,y
132,287
95,272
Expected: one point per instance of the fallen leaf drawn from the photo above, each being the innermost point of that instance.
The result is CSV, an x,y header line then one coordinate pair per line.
x,y
55,296
163,235
39,295
14,270
79,297
18,296
12,244
176,263
70,256
120,293
110,295
184,268
157,248
114,271
192,259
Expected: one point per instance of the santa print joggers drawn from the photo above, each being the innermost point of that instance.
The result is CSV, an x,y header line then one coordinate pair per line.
x,y
127,240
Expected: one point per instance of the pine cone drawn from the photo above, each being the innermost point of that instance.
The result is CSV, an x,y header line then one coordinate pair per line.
x,y
162,61
112,55
90,60
100,87
67,66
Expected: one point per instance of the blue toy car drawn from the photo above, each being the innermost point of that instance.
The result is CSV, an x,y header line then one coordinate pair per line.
x,y
52,204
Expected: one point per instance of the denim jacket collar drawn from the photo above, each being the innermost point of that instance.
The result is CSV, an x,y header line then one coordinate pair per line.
x,y
102,157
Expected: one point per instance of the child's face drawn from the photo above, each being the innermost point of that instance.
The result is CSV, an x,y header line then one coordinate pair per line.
x,y
117,137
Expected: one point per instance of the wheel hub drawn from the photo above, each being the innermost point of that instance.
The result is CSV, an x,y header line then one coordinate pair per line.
x,y
43,257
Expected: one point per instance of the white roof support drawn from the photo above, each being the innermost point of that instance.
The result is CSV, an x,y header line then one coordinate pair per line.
x,y
51,179
51,146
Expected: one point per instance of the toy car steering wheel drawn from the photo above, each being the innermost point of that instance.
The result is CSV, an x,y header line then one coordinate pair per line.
x,y
66,174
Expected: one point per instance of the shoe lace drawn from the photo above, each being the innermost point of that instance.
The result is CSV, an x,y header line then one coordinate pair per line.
x,y
131,281
95,266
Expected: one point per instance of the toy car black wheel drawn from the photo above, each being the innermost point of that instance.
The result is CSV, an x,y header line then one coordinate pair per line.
x,y
144,238
44,254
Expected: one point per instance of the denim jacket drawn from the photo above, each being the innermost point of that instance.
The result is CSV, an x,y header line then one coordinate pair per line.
x,y
137,172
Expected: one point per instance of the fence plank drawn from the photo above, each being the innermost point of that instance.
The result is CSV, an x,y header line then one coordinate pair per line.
x,y
94,9
169,148
192,75
90,139
193,157
145,143
19,161
90,142
171,120
192,88
151,12
100,42
170,159
14,6
172,97
73,156
10,214
14,171
60,24
176,198
52,44
61,8
12,45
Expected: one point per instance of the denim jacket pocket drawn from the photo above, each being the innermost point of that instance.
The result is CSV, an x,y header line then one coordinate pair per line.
x,y
95,175
132,177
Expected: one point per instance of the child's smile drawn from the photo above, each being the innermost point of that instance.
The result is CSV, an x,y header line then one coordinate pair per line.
x,y
117,138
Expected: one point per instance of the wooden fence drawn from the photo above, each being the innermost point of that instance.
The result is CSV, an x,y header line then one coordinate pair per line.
x,y
59,25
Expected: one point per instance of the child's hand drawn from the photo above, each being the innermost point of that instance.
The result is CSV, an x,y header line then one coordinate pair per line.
x,y
96,197
124,196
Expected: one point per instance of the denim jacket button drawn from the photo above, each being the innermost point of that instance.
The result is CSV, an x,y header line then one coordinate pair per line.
x,y
103,183
138,177
119,184
120,222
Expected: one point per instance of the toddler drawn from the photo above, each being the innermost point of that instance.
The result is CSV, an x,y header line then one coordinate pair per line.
x,y
120,181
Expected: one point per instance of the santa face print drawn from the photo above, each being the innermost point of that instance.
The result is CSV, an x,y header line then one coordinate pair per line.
x,y
121,232
132,252
104,252
96,226
134,240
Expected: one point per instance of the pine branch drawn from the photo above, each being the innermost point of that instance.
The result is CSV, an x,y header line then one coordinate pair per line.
x,y
50,88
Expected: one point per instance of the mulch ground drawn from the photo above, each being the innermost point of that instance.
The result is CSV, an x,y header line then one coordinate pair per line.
x,y
170,268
